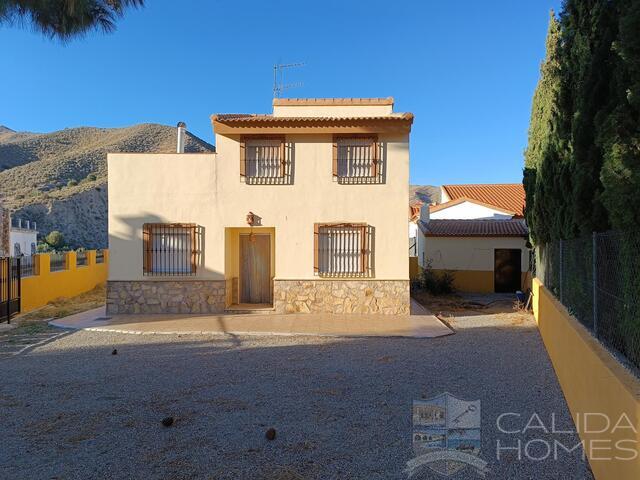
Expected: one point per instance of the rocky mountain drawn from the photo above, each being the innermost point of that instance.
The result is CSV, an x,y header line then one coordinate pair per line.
x,y
424,193
59,179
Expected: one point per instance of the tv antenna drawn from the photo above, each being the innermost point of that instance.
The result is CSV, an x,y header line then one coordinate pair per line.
x,y
279,87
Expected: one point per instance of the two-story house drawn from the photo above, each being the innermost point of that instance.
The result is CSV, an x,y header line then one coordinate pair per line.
x,y
301,210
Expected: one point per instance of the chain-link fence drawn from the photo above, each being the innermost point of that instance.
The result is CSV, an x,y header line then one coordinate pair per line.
x,y
598,279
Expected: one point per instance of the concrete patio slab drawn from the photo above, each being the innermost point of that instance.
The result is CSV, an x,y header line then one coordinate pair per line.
x,y
420,324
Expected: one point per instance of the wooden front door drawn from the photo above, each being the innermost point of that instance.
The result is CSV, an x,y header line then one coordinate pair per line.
x,y
506,270
255,266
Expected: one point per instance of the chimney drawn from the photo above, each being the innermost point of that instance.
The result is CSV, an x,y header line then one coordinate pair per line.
x,y
182,132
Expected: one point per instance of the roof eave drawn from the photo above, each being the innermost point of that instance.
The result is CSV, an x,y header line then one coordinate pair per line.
x,y
492,235
283,125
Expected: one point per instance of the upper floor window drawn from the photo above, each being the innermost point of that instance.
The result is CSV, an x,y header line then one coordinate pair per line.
x,y
358,160
16,250
265,160
343,250
170,248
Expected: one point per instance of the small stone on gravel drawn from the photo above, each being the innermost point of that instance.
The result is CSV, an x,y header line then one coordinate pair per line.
x,y
167,422
271,434
114,352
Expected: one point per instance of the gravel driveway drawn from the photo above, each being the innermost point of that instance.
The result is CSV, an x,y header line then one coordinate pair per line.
x,y
341,407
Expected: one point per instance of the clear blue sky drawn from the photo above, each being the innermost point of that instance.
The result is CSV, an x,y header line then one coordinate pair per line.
x,y
466,69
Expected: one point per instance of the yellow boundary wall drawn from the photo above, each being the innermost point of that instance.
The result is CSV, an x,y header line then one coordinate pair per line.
x,y
594,383
45,285
479,281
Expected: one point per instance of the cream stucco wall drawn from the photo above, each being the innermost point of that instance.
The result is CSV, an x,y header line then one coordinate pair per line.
x,y
331,110
469,210
206,189
450,253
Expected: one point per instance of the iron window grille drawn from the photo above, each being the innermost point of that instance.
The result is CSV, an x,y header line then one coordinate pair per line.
x,y
81,258
343,250
358,160
57,262
171,249
265,161
27,268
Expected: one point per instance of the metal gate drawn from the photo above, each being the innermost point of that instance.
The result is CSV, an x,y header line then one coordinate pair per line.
x,y
9,288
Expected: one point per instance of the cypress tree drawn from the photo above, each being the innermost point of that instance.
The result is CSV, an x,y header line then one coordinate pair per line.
x,y
588,31
619,135
541,155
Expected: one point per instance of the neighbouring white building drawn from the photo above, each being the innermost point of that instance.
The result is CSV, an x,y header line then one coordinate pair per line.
x,y
23,237
479,235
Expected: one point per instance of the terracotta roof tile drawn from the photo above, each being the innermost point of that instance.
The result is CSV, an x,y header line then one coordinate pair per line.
x,y
414,210
475,228
458,201
507,196
263,118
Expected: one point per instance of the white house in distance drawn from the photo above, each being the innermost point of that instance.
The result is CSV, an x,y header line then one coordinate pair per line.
x,y
301,210
23,237
479,234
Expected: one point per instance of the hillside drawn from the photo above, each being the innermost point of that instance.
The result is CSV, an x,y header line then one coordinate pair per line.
x,y
424,193
59,179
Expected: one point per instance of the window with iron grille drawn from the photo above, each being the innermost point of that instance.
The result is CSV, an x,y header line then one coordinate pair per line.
x,y
343,250
357,160
264,161
170,248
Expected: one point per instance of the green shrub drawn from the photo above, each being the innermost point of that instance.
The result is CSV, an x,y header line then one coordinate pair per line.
x,y
55,239
43,247
72,183
91,177
436,283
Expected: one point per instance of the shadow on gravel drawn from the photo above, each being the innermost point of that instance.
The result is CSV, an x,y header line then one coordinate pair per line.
x,y
341,407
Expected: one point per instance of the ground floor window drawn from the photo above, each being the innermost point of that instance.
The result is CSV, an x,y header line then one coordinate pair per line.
x,y
343,250
170,248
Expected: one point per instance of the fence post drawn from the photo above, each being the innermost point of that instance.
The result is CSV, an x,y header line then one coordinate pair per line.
x,y
594,268
8,280
561,270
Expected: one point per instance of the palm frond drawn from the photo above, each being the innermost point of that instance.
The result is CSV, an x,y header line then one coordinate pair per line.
x,y
66,19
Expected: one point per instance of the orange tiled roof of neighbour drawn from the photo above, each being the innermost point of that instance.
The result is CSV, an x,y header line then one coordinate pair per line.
x,y
459,200
508,196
